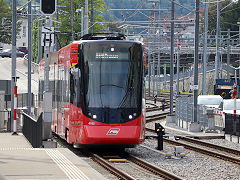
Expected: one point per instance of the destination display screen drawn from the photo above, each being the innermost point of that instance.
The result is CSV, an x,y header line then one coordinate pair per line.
x,y
112,55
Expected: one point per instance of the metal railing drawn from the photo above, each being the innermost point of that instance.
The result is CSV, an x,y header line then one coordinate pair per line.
x,y
32,129
21,100
189,73
184,113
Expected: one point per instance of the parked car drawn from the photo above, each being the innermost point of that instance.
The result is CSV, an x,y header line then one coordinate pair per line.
x,y
23,49
8,53
211,101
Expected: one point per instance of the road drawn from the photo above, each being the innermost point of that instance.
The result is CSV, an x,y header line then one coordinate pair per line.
x,y
21,72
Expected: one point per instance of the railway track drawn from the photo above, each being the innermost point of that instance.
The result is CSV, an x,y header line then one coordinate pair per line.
x,y
209,149
223,153
221,148
130,160
206,150
156,117
117,167
167,95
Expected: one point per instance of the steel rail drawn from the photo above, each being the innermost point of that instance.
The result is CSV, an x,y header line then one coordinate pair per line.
x,y
156,117
156,170
110,168
204,151
233,151
150,130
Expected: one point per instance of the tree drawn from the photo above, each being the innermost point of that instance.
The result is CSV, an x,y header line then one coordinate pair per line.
x,y
64,18
231,16
6,22
230,13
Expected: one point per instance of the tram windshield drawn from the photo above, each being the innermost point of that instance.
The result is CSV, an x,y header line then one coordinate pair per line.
x,y
113,76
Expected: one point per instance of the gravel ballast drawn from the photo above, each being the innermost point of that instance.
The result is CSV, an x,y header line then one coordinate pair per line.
x,y
193,166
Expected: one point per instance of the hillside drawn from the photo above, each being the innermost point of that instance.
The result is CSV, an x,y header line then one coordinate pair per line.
x,y
143,4
132,4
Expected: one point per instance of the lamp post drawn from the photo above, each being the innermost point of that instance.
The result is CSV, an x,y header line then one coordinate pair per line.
x,y
86,18
235,94
238,23
81,10
238,76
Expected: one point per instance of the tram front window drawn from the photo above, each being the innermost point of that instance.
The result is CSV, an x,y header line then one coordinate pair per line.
x,y
112,78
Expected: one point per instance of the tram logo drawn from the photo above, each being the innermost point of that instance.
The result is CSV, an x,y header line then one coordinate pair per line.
x,y
113,131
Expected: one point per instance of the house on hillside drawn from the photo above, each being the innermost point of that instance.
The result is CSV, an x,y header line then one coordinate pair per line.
x,y
22,38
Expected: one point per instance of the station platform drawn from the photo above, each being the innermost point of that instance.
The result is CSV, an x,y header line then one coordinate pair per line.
x,y
197,135
19,161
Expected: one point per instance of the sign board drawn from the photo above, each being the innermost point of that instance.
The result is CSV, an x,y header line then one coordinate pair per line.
x,y
47,38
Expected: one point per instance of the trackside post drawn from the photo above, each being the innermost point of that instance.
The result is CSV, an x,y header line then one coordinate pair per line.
x,y
15,108
47,94
160,132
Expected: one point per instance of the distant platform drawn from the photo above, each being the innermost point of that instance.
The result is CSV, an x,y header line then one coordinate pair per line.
x,y
196,135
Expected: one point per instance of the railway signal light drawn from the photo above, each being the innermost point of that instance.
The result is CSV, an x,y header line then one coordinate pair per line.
x,y
48,7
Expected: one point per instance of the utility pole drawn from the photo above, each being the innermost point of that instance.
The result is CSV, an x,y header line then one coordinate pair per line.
x,y
183,90
82,24
86,18
159,53
153,74
171,59
196,56
217,41
149,63
14,56
56,35
159,73
165,75
221,63
178,66
238,23
205,47
154,57
77,11
71,19
29,55
228,54
92,16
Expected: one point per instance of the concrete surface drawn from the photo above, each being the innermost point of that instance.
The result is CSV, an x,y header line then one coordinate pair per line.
x,y
18,160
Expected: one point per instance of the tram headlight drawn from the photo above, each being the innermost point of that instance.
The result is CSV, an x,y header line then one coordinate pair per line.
x,y
94,116
130,116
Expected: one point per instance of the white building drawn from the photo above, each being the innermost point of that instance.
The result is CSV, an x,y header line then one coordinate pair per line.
x,y
22,38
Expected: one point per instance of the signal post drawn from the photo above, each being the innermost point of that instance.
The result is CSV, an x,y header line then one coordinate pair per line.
x,y
48,8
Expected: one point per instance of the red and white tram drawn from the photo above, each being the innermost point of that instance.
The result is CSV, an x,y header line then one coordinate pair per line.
x,y
98,91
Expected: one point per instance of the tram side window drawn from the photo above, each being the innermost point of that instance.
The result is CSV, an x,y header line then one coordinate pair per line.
x,y
71,88
65,86
75,77
58,91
